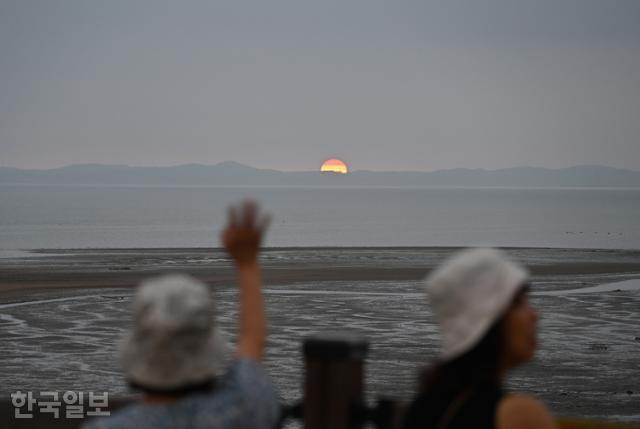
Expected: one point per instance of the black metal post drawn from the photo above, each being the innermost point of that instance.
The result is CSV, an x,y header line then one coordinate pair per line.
x,y
334,381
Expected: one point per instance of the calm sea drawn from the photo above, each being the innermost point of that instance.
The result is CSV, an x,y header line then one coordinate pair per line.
x,y
134,216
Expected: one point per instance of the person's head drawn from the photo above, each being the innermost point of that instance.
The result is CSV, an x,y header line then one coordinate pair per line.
x,y
174,346
479,299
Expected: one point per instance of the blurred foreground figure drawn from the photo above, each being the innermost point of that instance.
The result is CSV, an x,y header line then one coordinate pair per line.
x,y
175,353
479,299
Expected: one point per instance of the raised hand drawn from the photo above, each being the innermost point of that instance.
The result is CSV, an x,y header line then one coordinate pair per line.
x,y
244,232
242,237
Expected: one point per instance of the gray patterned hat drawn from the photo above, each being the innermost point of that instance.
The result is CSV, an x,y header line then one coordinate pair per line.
x,y
174,343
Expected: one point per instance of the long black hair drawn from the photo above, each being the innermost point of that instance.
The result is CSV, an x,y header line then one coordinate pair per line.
x,y
479,366
482,365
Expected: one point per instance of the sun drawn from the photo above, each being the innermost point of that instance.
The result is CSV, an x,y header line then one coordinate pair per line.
x,y
334,165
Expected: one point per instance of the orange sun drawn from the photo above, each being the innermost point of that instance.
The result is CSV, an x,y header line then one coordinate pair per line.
x,y
334,166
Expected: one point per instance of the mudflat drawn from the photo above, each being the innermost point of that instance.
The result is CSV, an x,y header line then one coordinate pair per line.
x,y
64,312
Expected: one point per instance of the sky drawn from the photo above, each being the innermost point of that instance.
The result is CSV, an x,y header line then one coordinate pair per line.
x,y
383,85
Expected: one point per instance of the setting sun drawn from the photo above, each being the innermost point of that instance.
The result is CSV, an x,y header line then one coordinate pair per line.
x,y
334,166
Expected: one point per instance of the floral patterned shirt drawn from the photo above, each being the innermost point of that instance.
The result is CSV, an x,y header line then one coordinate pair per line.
x,y
244,398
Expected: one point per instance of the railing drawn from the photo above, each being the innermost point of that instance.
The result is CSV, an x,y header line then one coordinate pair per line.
x,y
333,395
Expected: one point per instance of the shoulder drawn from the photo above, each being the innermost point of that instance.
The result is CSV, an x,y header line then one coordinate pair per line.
x,y
244,398
247,378
246,373
516,411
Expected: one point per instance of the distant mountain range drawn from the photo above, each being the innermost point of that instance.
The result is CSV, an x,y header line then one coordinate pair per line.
x,y
231,173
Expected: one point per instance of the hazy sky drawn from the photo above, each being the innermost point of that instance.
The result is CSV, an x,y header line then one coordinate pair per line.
x,y
384,85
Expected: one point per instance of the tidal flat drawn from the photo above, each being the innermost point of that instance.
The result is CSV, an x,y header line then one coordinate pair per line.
x,y
63,313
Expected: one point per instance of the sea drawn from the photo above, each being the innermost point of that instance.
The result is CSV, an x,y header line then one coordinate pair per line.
x,y
46,217
588,360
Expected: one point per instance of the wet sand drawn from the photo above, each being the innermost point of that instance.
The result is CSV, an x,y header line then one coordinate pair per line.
x,y
63,312
109,268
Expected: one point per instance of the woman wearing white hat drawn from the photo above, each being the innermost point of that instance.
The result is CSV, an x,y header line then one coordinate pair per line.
x,y
175,354
479,299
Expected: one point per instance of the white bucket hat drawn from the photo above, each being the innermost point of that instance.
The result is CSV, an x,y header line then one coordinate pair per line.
x,y
174,343
469,293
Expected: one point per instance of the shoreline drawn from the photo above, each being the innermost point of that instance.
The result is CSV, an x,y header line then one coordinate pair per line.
x,y
49,269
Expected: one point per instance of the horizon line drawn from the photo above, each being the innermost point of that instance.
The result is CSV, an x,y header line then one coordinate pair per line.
x,y
87,164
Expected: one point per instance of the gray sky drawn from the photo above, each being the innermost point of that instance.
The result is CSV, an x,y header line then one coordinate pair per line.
x,y
384,85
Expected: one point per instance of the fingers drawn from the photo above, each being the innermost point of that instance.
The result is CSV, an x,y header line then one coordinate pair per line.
x,y
242,237
246,215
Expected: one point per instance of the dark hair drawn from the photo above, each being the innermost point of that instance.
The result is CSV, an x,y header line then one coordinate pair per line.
x,y
478,366
481,365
